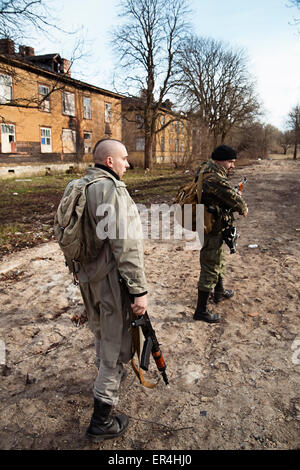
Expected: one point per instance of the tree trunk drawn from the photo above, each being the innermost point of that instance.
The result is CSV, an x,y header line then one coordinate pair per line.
x,y
148,163
295,151
215,140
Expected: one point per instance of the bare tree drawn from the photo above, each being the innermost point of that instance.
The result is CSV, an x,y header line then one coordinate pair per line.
x,y
216,85
286,140
293,123
20,18
254,139
147,45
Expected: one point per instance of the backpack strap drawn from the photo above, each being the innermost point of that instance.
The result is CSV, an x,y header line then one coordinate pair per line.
x,y
208,216
96,179
201,178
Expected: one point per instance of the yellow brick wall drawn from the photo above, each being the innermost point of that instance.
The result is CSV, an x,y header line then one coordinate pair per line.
x,y
170,134
28,121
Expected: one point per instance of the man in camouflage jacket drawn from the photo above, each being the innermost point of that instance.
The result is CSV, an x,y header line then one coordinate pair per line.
x,y
113,285
218,193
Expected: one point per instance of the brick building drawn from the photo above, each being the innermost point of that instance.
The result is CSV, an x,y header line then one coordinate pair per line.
x,y
46,115
172,141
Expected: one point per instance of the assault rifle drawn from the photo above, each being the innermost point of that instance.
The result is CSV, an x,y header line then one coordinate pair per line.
x,y
239,187
150,346
229,231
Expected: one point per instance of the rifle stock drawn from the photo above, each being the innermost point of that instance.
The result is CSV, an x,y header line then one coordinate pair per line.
x,y
151,345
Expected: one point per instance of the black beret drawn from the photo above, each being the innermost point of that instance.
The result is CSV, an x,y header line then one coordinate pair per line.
x,y
223,152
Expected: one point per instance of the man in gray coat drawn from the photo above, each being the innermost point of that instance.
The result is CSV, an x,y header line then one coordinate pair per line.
x,y
113,286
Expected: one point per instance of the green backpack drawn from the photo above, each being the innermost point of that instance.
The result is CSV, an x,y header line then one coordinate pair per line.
x,y
68,224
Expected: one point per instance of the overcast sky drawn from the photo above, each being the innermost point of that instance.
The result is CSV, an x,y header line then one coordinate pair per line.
x,y
264,28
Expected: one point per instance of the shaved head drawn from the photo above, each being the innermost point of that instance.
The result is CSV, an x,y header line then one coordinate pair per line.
x,y
113,154
107,148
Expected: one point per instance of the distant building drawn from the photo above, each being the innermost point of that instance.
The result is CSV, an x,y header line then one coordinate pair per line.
x,y
172,140
46,115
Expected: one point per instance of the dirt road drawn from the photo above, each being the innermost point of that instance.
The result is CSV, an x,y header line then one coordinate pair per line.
x,y
234,385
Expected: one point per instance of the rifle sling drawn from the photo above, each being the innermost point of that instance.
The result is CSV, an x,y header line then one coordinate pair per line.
x,y
139,373
136,342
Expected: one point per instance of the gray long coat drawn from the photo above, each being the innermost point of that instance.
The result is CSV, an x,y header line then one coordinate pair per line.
x,y
119,256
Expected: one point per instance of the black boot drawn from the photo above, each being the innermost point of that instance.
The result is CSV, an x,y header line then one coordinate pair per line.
x,y
221,293
201,312
103,426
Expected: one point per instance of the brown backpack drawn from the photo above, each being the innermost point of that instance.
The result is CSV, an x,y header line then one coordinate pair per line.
x,y
191,193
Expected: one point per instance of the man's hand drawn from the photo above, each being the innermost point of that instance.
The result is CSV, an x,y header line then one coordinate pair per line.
x,y
139,305
245,213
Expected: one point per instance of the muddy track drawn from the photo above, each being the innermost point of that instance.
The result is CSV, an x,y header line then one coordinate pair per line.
x,y
234,385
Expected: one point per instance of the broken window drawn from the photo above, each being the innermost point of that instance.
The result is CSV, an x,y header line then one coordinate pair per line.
x,y
5,88
8,138
162,144
44,98
107,112
68,103
87,142
68,141
87,114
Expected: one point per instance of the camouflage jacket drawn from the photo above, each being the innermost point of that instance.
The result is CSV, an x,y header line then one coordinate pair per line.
x,y
217,191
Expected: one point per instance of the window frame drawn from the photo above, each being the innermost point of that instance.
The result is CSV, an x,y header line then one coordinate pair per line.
x,y
10,129
89,148
43,106
46,128
89,114
65,110
139,119
73,133
10,87
107,112
140,140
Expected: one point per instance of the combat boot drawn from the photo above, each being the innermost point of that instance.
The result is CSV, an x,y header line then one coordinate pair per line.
x,y
102,425
220,293
201,312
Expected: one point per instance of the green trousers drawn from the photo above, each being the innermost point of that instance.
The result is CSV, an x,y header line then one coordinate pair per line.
x,y
212,261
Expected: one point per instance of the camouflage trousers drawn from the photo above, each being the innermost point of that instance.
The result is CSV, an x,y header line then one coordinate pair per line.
x,y
212,262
